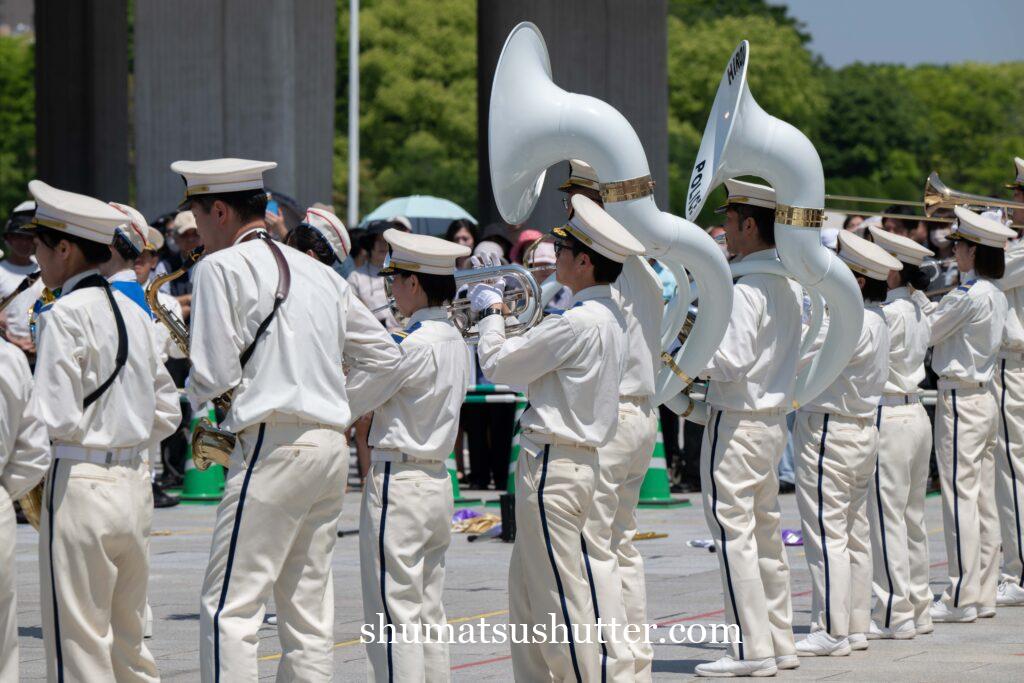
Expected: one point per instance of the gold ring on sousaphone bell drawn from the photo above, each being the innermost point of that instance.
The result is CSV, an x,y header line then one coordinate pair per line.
x,y
211,445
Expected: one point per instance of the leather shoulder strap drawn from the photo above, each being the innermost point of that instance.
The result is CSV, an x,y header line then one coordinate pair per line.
x,y
284,285
122,342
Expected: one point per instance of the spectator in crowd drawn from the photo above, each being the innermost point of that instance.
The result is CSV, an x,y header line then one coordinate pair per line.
x,y
854,223
19,262
366,280
464,232
186,238
499,234
401,223
718,234
524,240
907,227
489,247
358,255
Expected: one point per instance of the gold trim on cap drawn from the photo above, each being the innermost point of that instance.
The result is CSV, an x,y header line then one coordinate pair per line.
x,y
400,265
670,362
798,216
575,232
625,190
859,269
47,223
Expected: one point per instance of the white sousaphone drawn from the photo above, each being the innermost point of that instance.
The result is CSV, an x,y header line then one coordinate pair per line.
x,y
533,124
742,139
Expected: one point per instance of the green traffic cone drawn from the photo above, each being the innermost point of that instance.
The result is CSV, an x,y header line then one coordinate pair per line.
x,y
655,490
201,487
453,473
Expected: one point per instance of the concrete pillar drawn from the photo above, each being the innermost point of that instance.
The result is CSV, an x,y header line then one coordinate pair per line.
x,y
234,78
82,96
615,50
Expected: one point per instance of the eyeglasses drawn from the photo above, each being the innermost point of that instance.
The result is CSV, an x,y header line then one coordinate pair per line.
x,y
560,245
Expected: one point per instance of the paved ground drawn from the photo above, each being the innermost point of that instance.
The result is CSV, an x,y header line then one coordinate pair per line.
x,y
683,587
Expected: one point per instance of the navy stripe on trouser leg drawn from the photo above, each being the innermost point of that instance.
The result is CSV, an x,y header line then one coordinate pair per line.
x,y
821,523
881,527
597,611
554,566
231,552
956,505
53,576
383,568
1013,473
721,528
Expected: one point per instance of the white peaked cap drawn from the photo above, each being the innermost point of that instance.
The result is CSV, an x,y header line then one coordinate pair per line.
x,y
903,248
866,258
422,253
75,214
979,229
593,226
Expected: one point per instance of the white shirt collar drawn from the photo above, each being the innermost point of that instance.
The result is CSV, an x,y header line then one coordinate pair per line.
x,y
246,234
70,283
762,255
429,313
595,292
897,294
126,275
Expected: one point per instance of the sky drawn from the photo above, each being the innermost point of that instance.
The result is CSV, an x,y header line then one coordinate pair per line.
x,y
912,31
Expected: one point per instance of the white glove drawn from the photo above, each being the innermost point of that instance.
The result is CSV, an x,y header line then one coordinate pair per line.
x,y
488,292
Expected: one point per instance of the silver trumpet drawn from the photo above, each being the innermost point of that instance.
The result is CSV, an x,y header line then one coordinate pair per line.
x,y
522,297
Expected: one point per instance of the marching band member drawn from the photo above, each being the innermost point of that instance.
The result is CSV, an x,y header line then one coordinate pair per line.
x,y
272,326
321,235
24,459
103,394
405,519
613,564
1009,392
899,541
20,262
572,364
752,378
835,442
967,329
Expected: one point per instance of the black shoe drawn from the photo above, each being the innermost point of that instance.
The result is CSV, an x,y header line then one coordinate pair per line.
x,y
169,480
161,499
786,487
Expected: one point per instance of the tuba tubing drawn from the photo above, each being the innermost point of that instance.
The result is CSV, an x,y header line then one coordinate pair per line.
x,y
533,124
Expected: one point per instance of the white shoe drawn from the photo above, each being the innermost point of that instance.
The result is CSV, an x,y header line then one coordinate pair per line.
x,y
727,667
903,631
787,662
986,612
270,620
858,641
147,631
924,629
1009,594
944,614
821,644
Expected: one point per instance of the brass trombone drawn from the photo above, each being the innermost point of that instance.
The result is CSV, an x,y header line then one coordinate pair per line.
x,y
937,197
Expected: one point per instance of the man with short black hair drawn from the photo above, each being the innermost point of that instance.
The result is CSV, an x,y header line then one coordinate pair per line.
x,y
572,364
19,262
277,521
752,377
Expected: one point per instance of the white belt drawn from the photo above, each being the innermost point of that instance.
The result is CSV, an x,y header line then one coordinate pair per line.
x,y
552,440
397,456
899,399
958,385
100,456
764,412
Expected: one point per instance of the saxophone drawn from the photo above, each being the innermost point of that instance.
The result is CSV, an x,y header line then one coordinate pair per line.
x,y
32,502
210,444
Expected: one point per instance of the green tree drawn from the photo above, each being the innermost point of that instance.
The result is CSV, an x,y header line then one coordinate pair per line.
x,y
696,11
17,120
417,101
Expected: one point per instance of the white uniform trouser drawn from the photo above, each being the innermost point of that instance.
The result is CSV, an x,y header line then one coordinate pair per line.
x,y
613,564
274,537
1009,461
899,541
554,488
404,532
94,570
965,440
8,602
835,460
739,463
